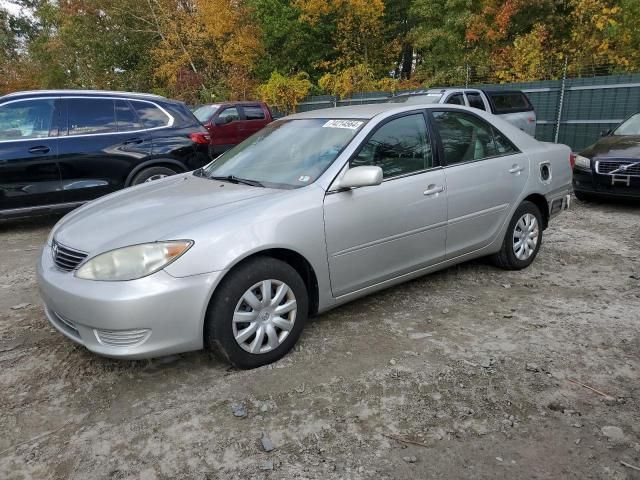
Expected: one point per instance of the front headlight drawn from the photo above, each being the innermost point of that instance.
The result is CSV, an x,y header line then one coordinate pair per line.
x,y
131,263
583,162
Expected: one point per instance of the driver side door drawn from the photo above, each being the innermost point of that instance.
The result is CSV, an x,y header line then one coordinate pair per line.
x,y
377,233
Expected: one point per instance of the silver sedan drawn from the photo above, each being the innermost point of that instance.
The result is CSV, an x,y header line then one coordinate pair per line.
x,y
315,210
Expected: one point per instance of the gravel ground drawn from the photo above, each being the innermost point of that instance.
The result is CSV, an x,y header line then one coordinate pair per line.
x,y
467,373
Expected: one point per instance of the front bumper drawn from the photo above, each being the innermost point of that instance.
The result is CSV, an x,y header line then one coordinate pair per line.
x,y
620,186
150,317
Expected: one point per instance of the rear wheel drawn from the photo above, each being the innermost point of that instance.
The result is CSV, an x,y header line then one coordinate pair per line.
x,y
152,173
257,313
522,240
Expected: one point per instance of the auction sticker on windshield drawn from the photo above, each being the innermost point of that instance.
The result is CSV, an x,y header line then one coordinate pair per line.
x,y
350,124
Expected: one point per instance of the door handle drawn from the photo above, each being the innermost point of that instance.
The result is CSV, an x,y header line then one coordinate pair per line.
x,y
39,149
515,169
133,141
434,189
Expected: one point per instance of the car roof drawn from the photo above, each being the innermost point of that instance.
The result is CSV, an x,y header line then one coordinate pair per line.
x,y
359,111
89,93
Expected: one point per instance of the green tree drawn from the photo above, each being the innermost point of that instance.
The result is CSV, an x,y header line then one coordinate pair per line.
x,y
285,93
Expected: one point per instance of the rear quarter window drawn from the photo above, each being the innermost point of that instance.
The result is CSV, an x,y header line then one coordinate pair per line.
x,y
509,102
150,114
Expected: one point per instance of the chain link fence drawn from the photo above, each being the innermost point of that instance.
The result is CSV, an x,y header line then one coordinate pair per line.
x,y
574,103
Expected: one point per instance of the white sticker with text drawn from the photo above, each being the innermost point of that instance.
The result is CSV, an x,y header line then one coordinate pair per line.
x,y
350,124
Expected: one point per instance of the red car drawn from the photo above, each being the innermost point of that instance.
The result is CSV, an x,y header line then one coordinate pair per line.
x,y
230,123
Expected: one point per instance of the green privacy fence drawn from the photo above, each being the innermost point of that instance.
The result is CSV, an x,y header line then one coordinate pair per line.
x,y
574,110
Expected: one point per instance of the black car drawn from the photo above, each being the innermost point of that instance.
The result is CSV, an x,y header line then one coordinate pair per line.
x,y
59,149
611,166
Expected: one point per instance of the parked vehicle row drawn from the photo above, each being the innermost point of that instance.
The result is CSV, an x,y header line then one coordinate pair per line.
x,y
511,105
59,149
314,210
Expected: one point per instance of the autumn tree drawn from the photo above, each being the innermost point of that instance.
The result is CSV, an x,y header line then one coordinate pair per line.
x,y
285,93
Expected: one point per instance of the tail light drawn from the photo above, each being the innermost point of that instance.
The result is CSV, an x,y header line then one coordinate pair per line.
x,y
572,159
200,138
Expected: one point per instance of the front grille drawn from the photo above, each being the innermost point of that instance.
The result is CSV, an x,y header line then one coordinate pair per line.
x,y
618,167
122,338
66,258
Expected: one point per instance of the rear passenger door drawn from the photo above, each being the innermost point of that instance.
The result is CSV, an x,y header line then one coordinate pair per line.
x,y
103,139
485,176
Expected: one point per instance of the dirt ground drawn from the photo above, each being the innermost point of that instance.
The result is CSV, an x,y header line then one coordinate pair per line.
x,y
461,374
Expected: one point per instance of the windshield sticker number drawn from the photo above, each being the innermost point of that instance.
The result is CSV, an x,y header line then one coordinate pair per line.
x,y
350,124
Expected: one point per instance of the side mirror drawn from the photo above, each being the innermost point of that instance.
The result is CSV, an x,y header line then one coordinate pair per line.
x,y
360,177
223,120
604,133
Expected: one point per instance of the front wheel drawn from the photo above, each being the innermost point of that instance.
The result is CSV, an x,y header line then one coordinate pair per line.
x,y
522,240
257,313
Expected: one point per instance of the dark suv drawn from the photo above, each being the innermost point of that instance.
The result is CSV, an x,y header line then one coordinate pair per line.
x,y
59,149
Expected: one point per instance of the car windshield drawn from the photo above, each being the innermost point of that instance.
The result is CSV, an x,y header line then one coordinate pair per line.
x,y
417,99
629,127
205,112
286,153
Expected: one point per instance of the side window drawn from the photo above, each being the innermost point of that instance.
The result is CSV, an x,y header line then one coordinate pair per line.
x,y
150,115
399,147
91,115
464,137
126,117
455,99
26,119
253,113
475,100
503,144
231,112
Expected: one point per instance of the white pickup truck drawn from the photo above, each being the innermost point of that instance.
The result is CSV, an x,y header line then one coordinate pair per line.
x,y
512,105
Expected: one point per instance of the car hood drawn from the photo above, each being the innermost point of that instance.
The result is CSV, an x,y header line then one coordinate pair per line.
x,y
615,146
159,210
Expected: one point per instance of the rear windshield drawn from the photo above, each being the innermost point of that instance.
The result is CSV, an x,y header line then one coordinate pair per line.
x,y
205,112
509,102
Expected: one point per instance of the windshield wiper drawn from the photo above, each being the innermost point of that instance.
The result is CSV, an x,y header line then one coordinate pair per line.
x,y
234,179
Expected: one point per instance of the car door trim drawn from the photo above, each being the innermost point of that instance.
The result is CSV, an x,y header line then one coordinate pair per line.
x,y
59,98
12,212
479,213
390,238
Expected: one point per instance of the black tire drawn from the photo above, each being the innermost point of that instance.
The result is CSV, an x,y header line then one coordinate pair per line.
x,y
147,173
506,257
218,329
583,197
